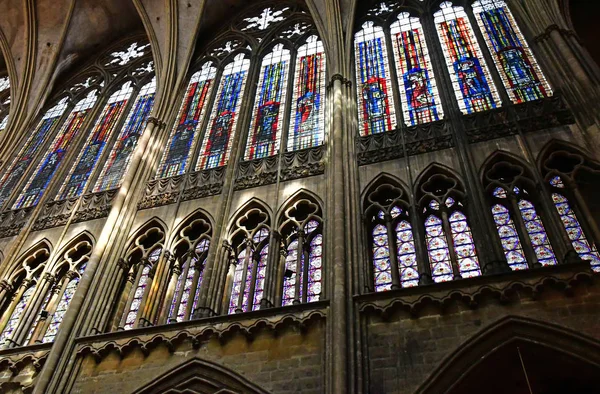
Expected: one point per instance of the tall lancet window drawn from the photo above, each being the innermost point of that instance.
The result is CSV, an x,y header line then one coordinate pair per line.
x,y
473,86
249,254
4,101
135,301
48,166
269,107
216,146
25,157
419,92
120,155
307,125
190,253
185,133
17,313
374,88
302,233
581,244
96,143
392,247
519,70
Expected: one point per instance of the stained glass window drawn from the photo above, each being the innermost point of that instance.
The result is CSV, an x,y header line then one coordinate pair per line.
x,y
307,123
61,310
19,165
407,258
140,289
298,272
13,321
4,83
38,317
509,238
184,135
4,105
437,248
375,99
519,70
578,239
120,155
95,144
178,307
474,89
46,169
381,259
248,281
537,233
419,96
267,120
221,127
464,247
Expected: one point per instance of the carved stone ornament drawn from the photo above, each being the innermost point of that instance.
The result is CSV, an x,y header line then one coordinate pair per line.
x,y
303,163
419,139
13,221
95,206
204,183
55,213
256,172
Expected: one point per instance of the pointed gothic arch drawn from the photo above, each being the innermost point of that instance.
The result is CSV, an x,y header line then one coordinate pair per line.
x,y
200,376
509,331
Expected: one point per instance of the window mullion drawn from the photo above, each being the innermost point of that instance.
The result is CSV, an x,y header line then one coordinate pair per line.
x,y
393,252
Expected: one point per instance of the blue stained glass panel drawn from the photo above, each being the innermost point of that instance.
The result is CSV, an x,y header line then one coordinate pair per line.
x,y
95,144
19,165
473,86
509,238
519,70
375,99
46,169
537,233
15,317
216,146
120,155
420,100
437,248
61,310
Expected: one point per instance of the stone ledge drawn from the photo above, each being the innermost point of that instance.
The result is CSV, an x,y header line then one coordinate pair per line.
x,y
563,277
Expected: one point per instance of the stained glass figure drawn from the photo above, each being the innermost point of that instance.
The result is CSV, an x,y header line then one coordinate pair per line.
x,y
95,144
578,239
248,280
464,247
221,126
179,306
474,89
19,165
48,166
407,258
375,100
509,238
419,96
120,155
184,135
537,233
307,125
520,72
15,317
61,310
437,248
140,289
265,128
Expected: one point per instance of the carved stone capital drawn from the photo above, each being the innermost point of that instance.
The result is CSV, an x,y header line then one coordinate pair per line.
x,y
122,264
154,121
6,286
49,278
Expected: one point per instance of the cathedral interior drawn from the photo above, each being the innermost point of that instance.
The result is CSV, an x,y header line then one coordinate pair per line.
x,y
299,196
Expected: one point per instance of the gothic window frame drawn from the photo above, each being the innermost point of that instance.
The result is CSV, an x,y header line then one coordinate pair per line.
x,y
387,211
25,277
567,170
442,198
138,265
190,253
247,246
67,271
298,229
5,100
509,183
